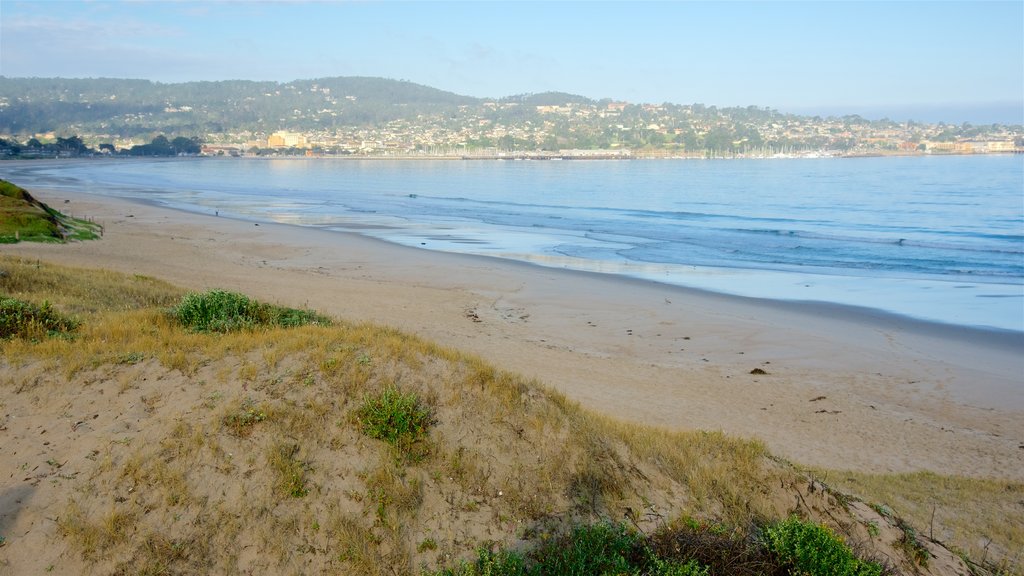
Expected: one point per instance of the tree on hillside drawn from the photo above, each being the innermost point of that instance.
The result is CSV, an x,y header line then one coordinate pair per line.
x,y
73,145
161,146
183,145
9,147
719,140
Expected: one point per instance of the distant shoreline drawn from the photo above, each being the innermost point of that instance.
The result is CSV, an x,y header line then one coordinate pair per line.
x,y
516,156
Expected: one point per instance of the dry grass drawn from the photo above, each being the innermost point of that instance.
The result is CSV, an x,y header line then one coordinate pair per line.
x,y
244,452
290,469
80,290
982,518
96,533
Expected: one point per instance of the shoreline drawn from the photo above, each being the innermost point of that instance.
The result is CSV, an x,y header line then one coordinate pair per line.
x,y
982,302
535,155
1007,338
634,349
995,335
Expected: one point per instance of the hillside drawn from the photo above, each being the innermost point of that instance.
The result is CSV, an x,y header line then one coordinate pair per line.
x,y
23,218
138,445
133,107
377,116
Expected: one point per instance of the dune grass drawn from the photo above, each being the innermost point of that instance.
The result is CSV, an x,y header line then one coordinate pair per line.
x,y
83,291
982,518
286,437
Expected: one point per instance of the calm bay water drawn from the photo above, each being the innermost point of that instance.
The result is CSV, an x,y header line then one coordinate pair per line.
x,y
936,238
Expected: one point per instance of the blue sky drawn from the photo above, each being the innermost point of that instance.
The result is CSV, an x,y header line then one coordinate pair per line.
x,y
953,61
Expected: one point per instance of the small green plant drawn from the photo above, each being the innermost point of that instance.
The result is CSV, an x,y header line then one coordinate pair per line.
x,y
222,311
20,319
428,544
912,546
400,419
883,511
873,529
814,549
240,423
488,563
131,358
691,568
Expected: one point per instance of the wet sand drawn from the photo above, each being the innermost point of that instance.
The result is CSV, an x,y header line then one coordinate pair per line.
x,y
842,388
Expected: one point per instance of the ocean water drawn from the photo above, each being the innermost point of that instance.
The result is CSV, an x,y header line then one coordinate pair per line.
x,y
934,238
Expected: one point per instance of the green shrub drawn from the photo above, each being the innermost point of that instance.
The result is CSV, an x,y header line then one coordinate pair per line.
x,y
399,419
911,545
221,311
814,550
602,549
501,563
25,320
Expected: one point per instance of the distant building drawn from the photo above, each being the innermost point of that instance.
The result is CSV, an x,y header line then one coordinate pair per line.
x,y
283,139
972,146
999,146
210,150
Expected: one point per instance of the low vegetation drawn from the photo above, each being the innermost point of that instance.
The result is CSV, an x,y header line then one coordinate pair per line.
x,y
241,421
400,419
599,548
814,549
25,219
221,311
20,319
792,546
308,447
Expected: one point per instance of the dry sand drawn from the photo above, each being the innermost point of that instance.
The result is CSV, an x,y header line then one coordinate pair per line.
x,y
843,389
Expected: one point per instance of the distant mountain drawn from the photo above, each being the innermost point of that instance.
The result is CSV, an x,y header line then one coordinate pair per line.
x,y
129,107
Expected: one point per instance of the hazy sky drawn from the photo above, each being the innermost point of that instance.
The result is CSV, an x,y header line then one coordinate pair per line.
x,y
921,60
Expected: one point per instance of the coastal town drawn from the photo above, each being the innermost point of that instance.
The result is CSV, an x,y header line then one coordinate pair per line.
x,y
623,130
378,118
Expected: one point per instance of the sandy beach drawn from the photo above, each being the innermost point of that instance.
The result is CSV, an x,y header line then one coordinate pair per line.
x,y
842,388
